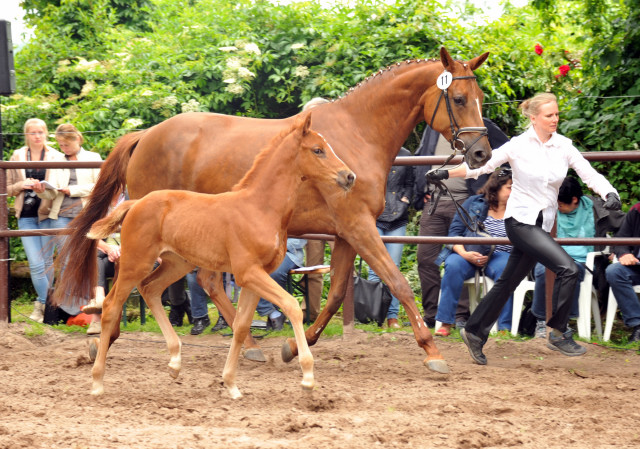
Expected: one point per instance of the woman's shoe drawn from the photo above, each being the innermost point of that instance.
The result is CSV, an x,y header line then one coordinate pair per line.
x,y
392,323
94,328
38,312
444,331
94,306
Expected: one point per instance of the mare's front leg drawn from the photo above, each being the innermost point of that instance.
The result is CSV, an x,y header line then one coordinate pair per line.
x,y
211,282
247,303
365,239
342,258
172,269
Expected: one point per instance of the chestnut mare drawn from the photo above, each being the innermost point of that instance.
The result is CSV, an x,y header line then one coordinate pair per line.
x,y
207,152
243,231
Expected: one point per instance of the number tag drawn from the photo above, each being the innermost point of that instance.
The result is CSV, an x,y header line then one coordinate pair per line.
x,y
444,80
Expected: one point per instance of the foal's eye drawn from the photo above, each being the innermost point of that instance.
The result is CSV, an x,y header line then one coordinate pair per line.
x,y
317,151
459,101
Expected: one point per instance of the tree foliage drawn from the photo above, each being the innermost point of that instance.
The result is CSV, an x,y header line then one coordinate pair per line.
x,y
110,66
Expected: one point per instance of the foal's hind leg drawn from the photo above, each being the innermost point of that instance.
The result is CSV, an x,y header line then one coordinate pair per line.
x,y
247,303
111,310
170,270
211,281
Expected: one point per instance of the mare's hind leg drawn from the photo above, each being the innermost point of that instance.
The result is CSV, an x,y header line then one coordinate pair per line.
x,y
211,281
171,269
247,303
259,281
341,268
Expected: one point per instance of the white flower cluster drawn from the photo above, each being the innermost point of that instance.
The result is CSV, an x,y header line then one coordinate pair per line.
x,y
132,123
252,48
301,71
191,106
87,66
235,89
165,102
87,88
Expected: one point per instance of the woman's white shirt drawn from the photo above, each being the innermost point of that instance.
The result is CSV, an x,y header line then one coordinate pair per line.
x,y
538,171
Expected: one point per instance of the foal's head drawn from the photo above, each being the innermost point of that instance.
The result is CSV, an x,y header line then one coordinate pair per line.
x,y
317,161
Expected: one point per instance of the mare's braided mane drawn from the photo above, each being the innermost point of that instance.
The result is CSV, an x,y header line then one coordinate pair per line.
x,y
381,72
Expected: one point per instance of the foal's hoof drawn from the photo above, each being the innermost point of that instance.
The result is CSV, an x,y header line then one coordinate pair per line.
x,y
93,349
437,366
286,352
174,372
255,355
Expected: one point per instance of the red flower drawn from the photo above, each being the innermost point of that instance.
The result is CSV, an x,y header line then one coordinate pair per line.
x,y
564,69
538,49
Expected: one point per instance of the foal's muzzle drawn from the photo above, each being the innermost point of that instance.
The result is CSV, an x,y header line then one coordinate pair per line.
x,y
346,179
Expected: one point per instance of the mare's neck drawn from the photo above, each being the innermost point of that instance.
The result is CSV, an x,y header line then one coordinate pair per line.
x,y
387,106
274,180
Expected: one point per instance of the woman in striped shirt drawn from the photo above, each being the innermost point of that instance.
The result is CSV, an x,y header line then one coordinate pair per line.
x,y
461,262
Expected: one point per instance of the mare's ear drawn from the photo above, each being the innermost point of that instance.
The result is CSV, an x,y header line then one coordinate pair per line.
x,y
478,60
306,126
447,60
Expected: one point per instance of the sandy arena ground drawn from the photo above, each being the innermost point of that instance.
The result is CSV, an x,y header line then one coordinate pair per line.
x,y
372,391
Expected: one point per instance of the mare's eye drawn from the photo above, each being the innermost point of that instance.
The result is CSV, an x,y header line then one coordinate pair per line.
x,y
459,101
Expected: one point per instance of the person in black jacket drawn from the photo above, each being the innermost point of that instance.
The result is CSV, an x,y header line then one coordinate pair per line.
x,y
393,221
625,273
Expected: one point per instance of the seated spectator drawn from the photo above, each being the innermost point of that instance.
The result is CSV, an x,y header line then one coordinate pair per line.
x,y
575,219
293,259
625,273
393,221
488,208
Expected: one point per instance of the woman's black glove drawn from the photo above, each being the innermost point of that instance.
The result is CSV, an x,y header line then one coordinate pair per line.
x,y
436,175
613,201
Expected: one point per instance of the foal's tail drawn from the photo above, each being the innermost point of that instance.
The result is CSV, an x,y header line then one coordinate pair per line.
x,y
110,224
78,254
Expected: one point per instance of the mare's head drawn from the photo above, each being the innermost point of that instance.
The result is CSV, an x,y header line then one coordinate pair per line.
x,y
317,161
453,106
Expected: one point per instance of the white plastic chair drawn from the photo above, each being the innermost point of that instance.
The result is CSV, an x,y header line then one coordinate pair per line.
x,y
518,302
612,308
587,301
475,295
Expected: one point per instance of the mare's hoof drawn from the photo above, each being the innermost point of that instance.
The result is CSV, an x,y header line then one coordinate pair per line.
x,y
255,355
286,352
437,366
93,349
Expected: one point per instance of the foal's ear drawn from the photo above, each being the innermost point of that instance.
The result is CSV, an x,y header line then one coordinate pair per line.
x,y
447,60
477,61
306,126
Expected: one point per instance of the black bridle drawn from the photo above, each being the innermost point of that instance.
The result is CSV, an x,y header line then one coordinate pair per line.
x,y
457,144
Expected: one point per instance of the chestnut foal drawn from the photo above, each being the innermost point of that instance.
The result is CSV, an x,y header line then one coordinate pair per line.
x,y
243,231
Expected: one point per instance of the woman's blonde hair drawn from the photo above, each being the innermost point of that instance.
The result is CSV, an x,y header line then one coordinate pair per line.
x,y
35,122
67,132
532,106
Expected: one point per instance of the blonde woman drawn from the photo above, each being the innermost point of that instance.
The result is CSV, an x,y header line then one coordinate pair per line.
x,y
539,158
33,212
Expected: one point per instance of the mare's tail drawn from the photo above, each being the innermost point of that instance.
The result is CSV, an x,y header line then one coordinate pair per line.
x,y
110,224
78,254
